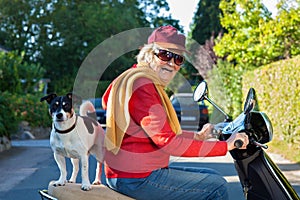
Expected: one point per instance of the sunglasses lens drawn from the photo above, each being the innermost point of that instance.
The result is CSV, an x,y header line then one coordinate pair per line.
x,y
178,60
164,55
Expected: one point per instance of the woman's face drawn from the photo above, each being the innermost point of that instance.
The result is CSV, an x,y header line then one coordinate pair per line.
x,y
166,70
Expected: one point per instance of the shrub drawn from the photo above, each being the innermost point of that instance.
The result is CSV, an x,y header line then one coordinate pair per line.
x,y
278,90
225,84
17,76
28,108
8,118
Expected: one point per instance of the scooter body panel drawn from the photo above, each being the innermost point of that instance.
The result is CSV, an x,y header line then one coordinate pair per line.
x,y
261,179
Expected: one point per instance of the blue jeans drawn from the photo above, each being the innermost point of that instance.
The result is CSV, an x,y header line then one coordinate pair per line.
x,y
173,183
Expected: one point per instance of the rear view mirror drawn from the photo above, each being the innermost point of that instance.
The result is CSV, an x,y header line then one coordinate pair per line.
x,y
200,92
250,101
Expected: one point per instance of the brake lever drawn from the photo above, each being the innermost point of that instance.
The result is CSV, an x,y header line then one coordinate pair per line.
x,y
259,144
216,133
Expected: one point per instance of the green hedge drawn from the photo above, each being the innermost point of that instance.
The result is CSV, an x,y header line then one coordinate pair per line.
x,y
278,92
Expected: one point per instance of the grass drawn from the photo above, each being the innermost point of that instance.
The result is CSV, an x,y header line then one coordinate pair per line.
x,y
288,151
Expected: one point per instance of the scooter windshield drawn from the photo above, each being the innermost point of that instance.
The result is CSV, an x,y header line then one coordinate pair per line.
x,y
236,125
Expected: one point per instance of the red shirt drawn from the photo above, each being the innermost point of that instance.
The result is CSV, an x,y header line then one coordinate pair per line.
x,y
141,152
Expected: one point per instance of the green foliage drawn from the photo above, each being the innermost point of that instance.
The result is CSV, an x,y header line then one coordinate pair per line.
x,y
28,108
205,28
278,89
281,35
15,108
254,37
225,83
206,20
60,34
9,76
8,118
18,83
17,76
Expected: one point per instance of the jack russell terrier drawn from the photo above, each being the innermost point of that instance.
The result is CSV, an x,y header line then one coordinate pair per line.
x,y
76,137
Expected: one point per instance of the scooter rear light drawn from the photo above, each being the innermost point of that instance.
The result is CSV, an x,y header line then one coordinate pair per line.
x,y
204,111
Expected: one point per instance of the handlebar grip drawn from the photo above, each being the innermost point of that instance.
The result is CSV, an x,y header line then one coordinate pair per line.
x,y
238,143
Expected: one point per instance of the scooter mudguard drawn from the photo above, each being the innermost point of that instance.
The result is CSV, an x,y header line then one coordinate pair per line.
x,y
261,179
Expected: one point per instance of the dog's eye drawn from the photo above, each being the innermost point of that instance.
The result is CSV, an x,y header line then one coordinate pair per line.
x,y
54,106
66,105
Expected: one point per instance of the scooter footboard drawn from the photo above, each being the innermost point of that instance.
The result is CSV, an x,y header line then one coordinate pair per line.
x,y
261,179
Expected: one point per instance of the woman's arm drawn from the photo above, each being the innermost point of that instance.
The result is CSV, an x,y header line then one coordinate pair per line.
x,y
146,110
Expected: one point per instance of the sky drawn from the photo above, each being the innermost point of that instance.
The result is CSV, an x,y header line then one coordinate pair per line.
x,y
184,10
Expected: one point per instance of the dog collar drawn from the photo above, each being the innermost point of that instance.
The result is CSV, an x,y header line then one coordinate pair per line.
x,y
67,130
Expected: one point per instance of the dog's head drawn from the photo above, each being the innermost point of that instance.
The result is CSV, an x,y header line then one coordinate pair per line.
x,y
60,107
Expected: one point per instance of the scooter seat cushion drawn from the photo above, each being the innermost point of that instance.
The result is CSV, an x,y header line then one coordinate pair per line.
x,y
72,191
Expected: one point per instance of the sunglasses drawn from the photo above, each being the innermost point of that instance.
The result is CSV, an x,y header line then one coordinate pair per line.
x,y
166,56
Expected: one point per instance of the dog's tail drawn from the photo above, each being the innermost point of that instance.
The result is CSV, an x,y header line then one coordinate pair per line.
x,y
87,109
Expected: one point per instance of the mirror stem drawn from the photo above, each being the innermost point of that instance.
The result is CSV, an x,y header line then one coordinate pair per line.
x,y
227,118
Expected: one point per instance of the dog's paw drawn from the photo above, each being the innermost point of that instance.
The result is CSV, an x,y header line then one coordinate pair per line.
x,y
59,183
71,181
97,182
86,187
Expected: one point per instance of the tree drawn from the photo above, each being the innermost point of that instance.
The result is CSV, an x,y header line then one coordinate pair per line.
x,y
206,21
60,34
206,27
17,76
19,92
254,37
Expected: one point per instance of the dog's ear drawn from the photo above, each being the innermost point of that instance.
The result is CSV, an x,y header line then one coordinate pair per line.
x,y
48,98
75,98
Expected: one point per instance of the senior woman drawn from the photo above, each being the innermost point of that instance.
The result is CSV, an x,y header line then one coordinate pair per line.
x,y
143,130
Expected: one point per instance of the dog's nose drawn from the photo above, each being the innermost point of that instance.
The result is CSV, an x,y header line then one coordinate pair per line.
x,y
59,115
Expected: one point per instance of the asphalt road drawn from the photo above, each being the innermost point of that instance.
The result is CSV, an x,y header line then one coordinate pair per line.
x,y
29,166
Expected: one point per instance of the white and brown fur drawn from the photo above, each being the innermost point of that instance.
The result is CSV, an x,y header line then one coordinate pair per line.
x,y
76,137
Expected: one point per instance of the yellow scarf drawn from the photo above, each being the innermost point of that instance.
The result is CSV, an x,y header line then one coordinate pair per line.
x,y
118,116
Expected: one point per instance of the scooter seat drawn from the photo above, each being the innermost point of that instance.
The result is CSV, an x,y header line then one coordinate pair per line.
x,y
72,191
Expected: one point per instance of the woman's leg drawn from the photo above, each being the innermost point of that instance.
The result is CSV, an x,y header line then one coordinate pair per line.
x,y
196,169
180,183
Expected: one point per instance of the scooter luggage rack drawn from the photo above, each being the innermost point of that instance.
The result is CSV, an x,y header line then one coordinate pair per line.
x,y
45,196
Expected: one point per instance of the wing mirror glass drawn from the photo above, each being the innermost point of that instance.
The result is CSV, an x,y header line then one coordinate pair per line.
x,y
200,92
250,101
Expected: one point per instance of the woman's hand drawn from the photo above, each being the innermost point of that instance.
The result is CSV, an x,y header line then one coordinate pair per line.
x,y
205,133
237,136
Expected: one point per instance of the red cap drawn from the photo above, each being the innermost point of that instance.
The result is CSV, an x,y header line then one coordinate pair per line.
x,y
168,37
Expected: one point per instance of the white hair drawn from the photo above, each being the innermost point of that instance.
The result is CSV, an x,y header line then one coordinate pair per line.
x,y
146,54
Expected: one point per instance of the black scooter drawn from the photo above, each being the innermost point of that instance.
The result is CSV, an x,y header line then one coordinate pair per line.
x,y
260,177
